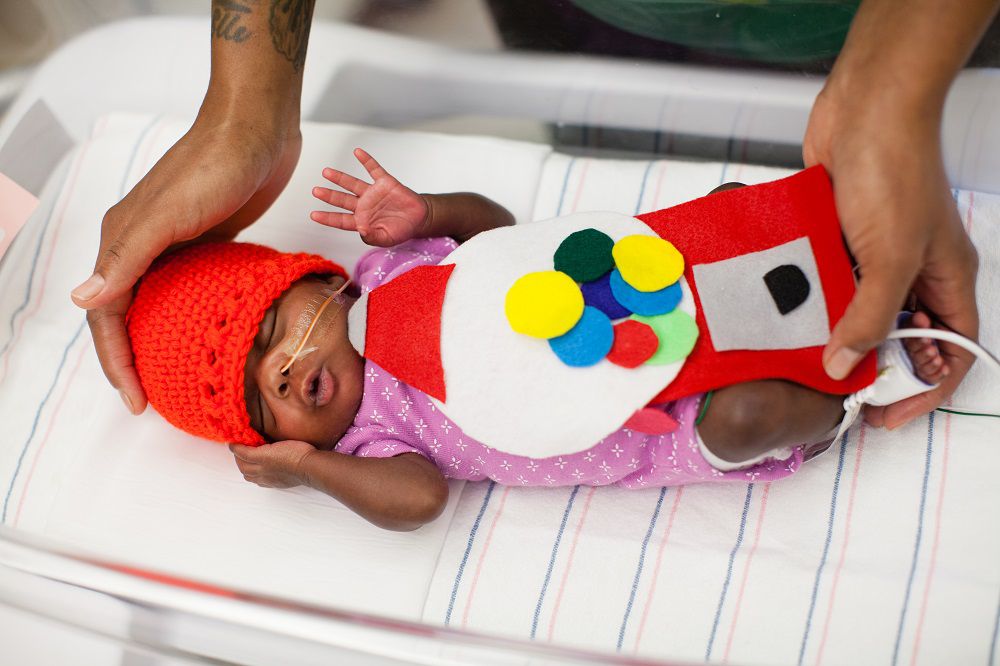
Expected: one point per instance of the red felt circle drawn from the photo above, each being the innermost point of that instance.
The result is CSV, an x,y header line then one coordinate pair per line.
x,y
634,344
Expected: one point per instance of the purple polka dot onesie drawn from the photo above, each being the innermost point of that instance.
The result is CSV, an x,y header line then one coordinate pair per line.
x,y
395,418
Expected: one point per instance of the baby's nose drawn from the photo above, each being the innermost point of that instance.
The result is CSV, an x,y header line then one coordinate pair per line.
x,y
283,387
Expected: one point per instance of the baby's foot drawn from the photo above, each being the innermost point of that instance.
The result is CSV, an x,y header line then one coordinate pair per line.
x,y
928,364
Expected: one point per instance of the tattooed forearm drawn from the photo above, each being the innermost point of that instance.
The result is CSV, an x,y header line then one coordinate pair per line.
x,y
227,18
290,23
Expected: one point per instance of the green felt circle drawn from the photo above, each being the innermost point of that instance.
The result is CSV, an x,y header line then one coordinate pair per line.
x,y
677,333
585,255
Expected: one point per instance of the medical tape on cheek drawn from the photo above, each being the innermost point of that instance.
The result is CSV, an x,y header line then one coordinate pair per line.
x,y
312,325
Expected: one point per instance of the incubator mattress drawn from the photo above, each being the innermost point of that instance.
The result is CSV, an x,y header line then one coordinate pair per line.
x,y
883,549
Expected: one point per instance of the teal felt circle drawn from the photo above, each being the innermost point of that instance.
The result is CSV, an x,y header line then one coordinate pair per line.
x,y
646,303
585,255
586,343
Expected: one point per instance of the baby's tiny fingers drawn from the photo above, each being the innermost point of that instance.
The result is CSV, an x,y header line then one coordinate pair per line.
x,y
346,181
373,168
336,220
336,198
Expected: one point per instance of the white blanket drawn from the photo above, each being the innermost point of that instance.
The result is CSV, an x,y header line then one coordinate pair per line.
x,y
884,550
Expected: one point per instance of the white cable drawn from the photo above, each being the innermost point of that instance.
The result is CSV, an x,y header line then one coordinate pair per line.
x,y
952,337
854,402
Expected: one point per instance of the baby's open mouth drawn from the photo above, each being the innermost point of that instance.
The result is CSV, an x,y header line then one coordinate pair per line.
x,y
320,387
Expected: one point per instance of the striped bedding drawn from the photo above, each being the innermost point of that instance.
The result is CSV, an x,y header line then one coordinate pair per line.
x,y
884,550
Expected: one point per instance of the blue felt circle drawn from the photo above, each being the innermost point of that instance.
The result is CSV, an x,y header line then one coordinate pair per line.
x,y
597,293
586,343
647,303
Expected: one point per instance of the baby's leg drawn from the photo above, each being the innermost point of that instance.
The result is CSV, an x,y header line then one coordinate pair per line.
x,y
746,420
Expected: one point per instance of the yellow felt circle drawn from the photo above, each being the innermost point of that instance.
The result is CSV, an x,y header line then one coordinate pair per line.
x,y
544,304
648,263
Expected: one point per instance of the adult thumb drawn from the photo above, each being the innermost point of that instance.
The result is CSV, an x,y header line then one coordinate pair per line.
x,y
868,319
121,261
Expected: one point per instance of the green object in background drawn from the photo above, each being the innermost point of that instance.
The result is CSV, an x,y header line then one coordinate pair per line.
x,y
772,31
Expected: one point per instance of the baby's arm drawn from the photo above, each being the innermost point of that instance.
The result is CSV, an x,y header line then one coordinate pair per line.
x,y
400,493
462,215
386,212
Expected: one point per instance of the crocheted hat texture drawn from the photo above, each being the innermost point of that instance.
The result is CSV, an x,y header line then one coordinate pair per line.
x,y
192,324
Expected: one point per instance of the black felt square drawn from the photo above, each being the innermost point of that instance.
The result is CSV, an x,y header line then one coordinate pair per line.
x,y
789,287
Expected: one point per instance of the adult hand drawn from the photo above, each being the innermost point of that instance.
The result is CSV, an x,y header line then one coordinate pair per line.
x,y
216,180
901,224
277,465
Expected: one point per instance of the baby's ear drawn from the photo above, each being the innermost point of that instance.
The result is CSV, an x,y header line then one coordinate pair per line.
x,y
728,186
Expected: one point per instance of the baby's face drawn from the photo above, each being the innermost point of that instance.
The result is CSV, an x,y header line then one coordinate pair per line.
x,y
315,399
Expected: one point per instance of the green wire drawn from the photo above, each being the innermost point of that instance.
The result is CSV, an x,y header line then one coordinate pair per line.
x,y
955,411
708,400
704,408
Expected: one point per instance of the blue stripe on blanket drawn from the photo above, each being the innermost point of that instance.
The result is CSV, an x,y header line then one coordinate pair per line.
x,y
920,531
562,192
638,569
38,414
993,640
642,188
729,571
552,560
826,546
468,549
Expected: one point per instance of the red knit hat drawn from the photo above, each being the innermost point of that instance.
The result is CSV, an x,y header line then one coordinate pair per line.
x,y
192,324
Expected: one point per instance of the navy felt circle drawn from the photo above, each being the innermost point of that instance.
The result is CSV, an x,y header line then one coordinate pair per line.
x,y
647,303
586,343
597,293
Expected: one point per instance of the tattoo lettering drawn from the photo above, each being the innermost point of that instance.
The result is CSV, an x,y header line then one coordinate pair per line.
x,y
290,23
226,17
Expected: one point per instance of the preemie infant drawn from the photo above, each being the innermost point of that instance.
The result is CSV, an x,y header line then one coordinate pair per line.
x,y
243,344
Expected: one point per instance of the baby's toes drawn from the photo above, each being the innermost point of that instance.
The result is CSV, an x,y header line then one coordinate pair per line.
x,y
930,365
914,346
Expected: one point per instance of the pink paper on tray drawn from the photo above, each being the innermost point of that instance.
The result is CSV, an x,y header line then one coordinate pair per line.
x,y
16,206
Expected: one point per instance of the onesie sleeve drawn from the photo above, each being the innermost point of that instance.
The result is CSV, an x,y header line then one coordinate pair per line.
x,y
380,265
373,441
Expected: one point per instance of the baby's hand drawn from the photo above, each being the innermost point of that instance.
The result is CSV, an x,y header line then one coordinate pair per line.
x,y
385,212
277,465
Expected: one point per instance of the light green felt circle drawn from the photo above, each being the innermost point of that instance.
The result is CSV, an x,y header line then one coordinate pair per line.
x,y
677,333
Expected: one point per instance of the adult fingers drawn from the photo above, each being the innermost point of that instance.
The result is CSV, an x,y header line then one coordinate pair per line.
x,y
336,198
346,181
373,168
868,318
114,351
875,415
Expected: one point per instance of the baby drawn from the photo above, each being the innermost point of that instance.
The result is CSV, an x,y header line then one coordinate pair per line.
x,y
240,343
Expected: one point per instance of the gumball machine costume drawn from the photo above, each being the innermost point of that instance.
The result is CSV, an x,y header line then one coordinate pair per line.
x,y
543,338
